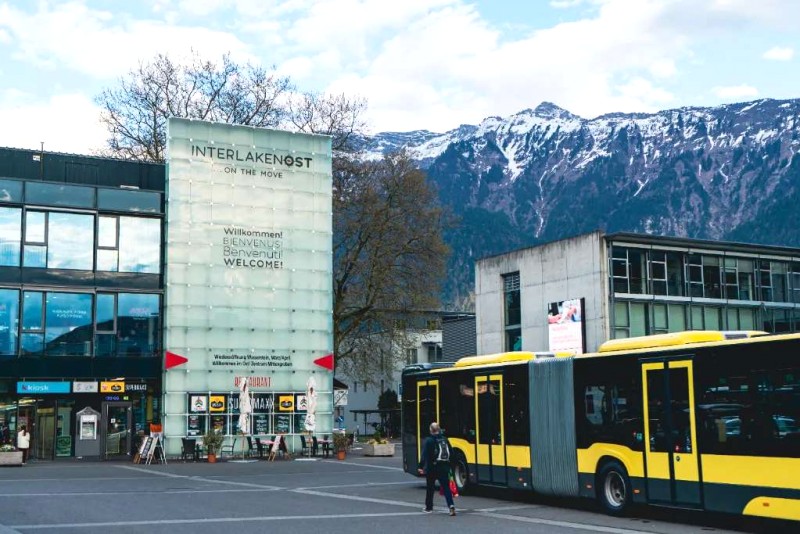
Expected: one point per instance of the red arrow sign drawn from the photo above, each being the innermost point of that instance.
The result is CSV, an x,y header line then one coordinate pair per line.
x,y
174,360
326,362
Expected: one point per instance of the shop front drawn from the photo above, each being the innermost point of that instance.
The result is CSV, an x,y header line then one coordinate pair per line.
x,y
88,419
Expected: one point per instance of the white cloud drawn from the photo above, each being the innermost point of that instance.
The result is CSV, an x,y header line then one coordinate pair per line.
x,y
734,92
779,53
65,122
102,44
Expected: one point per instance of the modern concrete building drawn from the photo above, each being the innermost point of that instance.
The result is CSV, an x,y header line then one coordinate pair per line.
x,y
579,292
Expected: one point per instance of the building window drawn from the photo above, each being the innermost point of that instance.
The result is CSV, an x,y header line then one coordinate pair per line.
x,y
411,356
10,236
712,283
138,324
58,240
695,275
765,280
794,276
128,244
512,311
9,321
628,270
658,272
68,324
630,319
779,282
434,353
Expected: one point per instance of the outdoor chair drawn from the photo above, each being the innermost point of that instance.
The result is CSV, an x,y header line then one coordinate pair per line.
x,y
259,448
254,451
189,448
228,448
304,448
314,446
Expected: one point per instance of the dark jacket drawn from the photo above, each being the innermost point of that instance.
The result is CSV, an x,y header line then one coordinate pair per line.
x,y
428,460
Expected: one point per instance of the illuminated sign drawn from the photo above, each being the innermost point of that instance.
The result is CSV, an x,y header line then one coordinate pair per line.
x,y
84,387
216,403
32,388
286,403
112,387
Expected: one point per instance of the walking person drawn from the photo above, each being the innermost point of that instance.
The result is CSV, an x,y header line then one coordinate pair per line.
x,y
24,443
435,465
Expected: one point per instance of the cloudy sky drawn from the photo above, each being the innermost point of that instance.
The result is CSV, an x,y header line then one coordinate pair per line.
x,y
421,64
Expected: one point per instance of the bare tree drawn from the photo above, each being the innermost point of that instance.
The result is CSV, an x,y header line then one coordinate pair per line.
x,y
136,111
389,259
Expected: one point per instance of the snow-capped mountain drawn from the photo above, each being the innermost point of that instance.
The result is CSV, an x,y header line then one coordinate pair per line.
x,y
729,173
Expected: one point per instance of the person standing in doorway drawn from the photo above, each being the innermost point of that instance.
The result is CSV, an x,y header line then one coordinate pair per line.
x,y
24,443
435,465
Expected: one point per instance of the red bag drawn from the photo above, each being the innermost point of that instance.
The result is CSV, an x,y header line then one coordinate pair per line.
x,y
453,487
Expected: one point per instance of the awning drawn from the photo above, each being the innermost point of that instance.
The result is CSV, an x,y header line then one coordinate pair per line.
x,y
338,384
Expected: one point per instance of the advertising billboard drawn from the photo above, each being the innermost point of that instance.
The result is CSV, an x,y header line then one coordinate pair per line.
x,y
565,327
248,260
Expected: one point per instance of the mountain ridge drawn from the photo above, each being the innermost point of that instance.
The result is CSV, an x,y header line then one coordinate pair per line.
x,y
724,172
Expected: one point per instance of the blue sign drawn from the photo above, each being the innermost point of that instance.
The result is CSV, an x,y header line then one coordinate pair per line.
x,y
36,388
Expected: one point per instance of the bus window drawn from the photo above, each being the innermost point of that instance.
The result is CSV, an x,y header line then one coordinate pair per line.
x,y
747,410
466,407
608,405
515,390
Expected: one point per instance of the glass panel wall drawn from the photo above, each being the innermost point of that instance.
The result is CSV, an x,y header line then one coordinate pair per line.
x,y
10,236
57,323
68,324
138,324
70,241
9,322
139,246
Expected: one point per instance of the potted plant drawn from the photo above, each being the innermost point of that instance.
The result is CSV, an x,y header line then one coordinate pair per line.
x,y
212,441
378,446
9,455
340,444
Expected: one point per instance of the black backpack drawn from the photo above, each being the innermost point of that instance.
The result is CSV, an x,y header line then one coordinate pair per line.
x,y
441,450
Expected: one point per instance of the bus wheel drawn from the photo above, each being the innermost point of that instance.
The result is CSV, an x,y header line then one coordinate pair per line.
x,y
613,488
461,473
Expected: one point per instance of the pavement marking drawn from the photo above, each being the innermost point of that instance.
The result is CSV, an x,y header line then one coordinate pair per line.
x,y
210,520
563,524
131,492
365,465
92,479
203,479
504,508
355,498
364,485
150,471
6,530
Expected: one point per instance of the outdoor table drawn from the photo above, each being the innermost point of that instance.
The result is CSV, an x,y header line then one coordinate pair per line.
x,y
326,447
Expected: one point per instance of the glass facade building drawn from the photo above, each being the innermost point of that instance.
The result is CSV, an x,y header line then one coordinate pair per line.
x,y
81,299
222,256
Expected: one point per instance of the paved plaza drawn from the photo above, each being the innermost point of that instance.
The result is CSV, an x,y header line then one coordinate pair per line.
x,y
359,494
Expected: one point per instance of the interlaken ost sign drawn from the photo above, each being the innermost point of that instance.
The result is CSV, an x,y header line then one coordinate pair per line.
x,y
248,253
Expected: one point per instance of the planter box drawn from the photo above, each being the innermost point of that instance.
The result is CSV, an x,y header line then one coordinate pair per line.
x,y
11,458
384,449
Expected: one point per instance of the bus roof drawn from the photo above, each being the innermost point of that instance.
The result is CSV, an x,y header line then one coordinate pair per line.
x,y
674,339
638,345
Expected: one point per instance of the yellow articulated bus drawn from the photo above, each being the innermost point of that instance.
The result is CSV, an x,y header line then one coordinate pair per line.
x,y
704,420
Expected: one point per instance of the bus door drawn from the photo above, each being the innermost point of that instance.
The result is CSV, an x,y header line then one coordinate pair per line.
x,y
490,439
670,433
427,410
